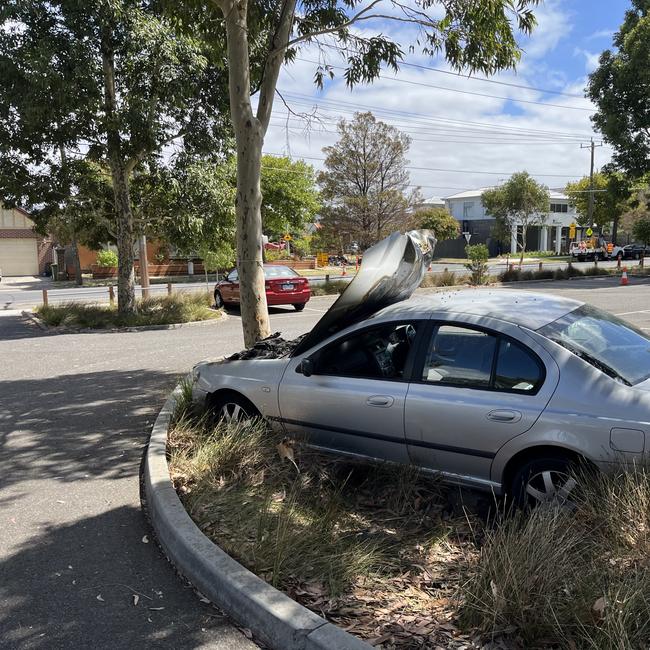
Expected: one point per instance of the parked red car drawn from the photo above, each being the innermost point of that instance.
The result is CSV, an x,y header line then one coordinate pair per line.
x,y
283,287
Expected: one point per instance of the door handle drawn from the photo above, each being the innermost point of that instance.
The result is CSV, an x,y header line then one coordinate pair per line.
x,y
503,415
380,400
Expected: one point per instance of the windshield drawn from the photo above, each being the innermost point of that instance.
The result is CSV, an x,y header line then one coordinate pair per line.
x,y
279,272
610,344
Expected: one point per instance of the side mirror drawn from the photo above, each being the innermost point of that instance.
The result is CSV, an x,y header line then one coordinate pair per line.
x,y
307,367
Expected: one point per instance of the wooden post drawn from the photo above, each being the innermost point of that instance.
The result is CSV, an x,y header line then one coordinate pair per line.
x,y
540,266
169,288
45,297
327,277
144,266
111,295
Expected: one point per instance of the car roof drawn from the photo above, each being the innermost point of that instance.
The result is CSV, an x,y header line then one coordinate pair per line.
x,y
525,308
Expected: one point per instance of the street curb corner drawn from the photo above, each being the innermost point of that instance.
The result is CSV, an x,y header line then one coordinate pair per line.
x,y
271,615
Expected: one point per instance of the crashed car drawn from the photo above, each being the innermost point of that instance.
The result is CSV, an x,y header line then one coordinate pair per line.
x,y
493,389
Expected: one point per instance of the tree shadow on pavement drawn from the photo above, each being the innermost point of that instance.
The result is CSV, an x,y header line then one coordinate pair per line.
x,y
73,586
78,426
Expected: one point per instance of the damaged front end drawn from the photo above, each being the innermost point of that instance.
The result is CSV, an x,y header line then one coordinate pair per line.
x,y
390,272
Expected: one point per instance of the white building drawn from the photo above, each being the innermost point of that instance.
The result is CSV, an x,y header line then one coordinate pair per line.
x,y
467,208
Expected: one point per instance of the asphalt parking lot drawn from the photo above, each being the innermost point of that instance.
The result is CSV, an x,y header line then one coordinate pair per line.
x,y
75,412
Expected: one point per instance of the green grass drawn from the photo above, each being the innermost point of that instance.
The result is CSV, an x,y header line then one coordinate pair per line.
x,y
167,310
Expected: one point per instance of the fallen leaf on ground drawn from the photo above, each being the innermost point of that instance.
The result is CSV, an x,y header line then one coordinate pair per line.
x,y
145,539
136,598
598,607
156,609
99,597
285,450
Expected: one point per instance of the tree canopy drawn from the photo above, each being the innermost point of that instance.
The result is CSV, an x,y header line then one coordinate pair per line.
x,y
519,203
439,220
620,88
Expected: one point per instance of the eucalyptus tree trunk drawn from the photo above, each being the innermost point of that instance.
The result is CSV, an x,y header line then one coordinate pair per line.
x,y
75,260
250,129
126,304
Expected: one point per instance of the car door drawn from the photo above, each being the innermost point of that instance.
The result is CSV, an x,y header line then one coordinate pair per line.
x,y
473,390
230,288
354,400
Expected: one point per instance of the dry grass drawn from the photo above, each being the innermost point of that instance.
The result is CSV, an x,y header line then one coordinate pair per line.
x,y
374,549
167,310
443,279
329,288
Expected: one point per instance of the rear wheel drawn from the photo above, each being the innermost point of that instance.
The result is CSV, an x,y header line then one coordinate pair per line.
x,y
544,480
299,306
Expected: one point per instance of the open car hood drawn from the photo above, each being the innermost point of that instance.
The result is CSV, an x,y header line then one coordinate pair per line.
x,y
390,272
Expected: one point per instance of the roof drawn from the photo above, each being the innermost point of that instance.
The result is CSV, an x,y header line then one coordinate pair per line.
x,y
476,194
525,308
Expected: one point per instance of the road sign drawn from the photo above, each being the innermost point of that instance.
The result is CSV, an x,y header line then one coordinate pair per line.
x,y
572,231
287,237
322,259
468,236
589,232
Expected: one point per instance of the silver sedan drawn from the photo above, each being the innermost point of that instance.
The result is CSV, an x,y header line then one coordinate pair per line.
x,y
495,389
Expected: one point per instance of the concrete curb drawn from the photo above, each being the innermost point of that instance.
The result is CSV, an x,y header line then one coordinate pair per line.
x,y
273,617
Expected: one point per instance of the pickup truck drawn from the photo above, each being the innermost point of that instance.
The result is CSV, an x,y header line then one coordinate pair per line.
x,y
590,249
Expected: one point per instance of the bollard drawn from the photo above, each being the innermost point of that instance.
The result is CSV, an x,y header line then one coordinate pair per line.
x,y
540,266
169,288
595,262
111,295
511,267
641,261
327,277
45,297
618,262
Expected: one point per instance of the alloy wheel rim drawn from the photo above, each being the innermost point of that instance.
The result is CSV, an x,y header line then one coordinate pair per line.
x,y
232,412
550,486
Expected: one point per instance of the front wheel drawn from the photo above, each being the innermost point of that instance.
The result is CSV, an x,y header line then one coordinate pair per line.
x,y
218,300
232,408
543,481
299,307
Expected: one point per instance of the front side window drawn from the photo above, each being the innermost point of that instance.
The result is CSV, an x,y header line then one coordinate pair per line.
x,y
233,276
380,353
463,356
608,343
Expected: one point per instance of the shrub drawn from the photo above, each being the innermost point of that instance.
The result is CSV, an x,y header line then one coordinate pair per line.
x,y
328,288
107,258
477,266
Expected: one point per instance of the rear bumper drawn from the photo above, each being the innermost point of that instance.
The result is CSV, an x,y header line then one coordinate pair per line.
x,y
287,297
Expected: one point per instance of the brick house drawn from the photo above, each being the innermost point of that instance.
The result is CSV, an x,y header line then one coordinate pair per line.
x,y
22,251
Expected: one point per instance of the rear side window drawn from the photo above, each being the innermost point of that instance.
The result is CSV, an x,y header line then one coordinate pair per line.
x,y
473,358
516,368
460,356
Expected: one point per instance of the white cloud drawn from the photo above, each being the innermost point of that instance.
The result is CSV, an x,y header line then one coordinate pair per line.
x,y
591,58
553,24
601,33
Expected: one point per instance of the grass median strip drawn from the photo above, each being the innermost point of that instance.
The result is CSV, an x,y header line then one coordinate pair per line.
x,y
159,310
377,550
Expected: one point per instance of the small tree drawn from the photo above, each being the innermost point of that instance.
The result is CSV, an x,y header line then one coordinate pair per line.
x,y
477,255
260,36
518,204
637,219
439,220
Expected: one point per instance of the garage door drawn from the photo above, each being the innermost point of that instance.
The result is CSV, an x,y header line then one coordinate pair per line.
x,y
18,257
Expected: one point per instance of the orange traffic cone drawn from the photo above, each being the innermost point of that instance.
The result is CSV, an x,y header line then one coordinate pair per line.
x,y
624,281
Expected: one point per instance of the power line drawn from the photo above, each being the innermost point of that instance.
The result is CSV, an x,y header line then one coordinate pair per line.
x,y
464,92
424,119
440,169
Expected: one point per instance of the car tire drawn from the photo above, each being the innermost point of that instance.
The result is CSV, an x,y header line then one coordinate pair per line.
x,y
299,306
543,480
231,407
218,300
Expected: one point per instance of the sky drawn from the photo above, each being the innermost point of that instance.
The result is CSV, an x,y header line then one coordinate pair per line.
x,y
466,133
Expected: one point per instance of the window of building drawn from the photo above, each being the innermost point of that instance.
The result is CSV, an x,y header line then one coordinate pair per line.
x,y
559,207
468,206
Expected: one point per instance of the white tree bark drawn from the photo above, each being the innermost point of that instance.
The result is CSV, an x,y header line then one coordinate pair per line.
x,y
249,134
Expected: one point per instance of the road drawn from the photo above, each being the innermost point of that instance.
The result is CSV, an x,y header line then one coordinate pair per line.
x,y
13,296
75,411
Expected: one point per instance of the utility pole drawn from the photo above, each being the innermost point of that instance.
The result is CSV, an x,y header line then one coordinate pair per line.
x,y
590,210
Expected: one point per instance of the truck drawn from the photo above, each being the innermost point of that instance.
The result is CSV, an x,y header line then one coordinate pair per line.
x,y
595,248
